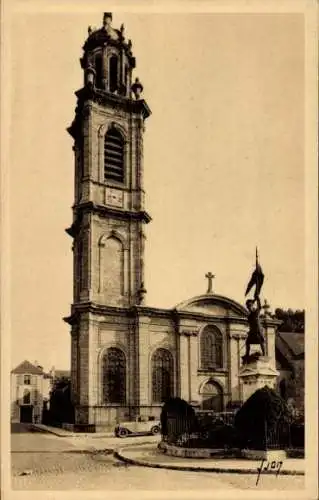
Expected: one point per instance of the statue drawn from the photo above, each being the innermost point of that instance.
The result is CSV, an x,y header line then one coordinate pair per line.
x,y
255,334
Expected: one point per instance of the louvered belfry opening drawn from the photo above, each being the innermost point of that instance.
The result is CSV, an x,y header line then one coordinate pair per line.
x,y
114,156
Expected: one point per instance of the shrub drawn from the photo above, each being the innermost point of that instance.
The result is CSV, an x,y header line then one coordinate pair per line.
x,y
177,418
262,421
61,408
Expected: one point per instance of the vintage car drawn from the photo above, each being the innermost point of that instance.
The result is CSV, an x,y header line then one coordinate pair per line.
x,y
141,425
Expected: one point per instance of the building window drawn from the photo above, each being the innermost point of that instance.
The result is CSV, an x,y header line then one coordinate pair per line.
x,y
212,397
162,375
26,397
98,71
211,348
113,73
27,380
114,376
114,156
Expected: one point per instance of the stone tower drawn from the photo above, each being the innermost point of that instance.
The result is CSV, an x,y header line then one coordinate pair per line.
x,y
108,212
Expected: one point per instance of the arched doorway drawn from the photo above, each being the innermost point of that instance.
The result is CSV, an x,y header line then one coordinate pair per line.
x,y
212,396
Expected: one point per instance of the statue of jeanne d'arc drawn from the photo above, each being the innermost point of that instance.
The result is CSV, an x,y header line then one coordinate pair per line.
x,y
255,333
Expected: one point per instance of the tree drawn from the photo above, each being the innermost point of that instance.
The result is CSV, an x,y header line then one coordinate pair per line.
x,y
61,408
292,321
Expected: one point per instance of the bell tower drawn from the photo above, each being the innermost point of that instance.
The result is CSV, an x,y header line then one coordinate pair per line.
x,y
107,228
108,210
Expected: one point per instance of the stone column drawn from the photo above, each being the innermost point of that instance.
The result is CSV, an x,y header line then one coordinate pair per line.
x,y
188,363
143,357
184,375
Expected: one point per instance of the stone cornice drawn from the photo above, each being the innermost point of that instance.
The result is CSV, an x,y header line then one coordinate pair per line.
x,y
212,371
137,310
209,317
237,335
103,98
132,311
189,333
141,215
91,207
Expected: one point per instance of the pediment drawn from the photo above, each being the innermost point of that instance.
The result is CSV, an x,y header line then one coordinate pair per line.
x,y
213,305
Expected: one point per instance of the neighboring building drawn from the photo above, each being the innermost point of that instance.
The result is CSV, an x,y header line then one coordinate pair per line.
x,y
127,358
30,388
290,356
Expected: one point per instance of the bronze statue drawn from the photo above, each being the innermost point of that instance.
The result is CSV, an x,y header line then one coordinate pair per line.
x,y
255,334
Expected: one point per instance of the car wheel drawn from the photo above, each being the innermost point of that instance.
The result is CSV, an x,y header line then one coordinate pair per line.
x,y
155,430
122,433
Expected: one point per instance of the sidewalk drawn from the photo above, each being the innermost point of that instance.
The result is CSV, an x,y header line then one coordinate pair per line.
x,y
150,456
57,431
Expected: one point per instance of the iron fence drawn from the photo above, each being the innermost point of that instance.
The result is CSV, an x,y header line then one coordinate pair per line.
x,y
217,430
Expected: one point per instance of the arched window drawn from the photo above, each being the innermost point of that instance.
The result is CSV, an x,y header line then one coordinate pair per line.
x,y
212,398
114,156
98,71
114,376
26,397
211,348
162,375
113,73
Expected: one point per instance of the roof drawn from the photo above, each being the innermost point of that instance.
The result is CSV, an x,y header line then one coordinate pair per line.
x,y
28,368
211,302
294,341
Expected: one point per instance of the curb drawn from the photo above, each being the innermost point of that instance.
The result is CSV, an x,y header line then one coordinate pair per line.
x,y
191,468
67,434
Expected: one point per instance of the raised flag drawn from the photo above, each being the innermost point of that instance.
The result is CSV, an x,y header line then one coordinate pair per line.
x,y
257,279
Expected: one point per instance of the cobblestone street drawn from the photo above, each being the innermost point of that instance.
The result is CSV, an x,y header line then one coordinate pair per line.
x,y
53,463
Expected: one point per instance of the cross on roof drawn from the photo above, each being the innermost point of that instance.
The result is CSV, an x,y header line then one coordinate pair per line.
x,y
210,278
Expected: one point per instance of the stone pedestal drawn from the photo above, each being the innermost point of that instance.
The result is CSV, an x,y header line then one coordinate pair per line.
x,y
257,374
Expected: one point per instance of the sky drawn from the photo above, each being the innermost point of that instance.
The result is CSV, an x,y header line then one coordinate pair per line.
x,y
223,162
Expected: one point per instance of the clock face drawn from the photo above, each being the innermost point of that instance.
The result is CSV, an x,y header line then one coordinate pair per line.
x,y
114,197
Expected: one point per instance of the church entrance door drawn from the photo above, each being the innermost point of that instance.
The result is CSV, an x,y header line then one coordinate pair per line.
x,y
212,397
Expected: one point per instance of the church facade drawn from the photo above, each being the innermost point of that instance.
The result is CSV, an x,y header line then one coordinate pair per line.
x,y
126,357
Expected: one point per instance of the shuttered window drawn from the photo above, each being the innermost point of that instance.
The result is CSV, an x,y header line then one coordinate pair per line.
x,y
114,156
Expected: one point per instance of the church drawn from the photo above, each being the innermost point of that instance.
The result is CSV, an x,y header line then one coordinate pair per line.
x,y
127,358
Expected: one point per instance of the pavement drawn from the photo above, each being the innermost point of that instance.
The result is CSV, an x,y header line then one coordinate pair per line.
x,y
144,452
148,455
45,461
